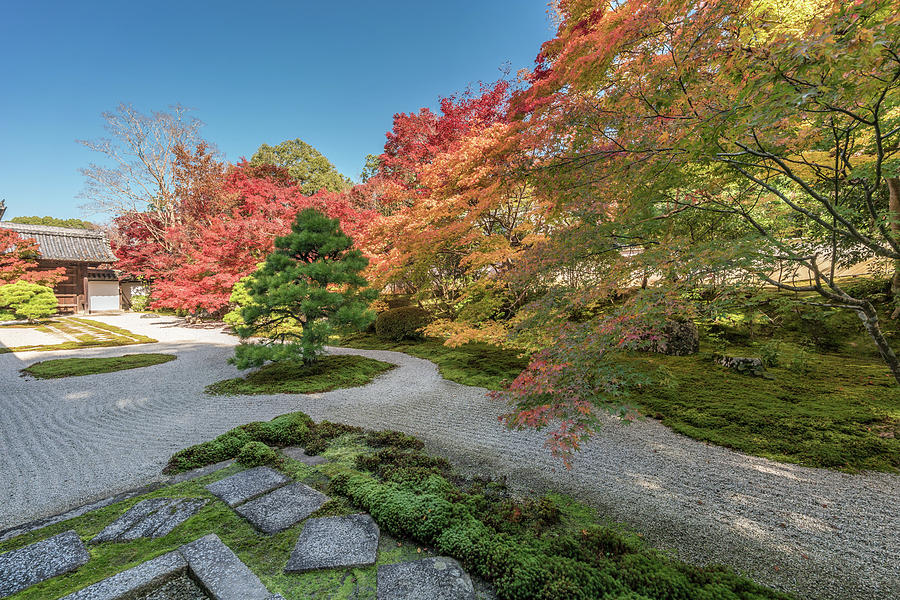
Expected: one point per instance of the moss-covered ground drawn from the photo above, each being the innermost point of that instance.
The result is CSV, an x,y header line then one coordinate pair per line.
x,y
838,412
74,367
87,333
475,363
549,547
326,374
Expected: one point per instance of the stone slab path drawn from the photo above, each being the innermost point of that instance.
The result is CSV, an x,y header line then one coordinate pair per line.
x,y
276,503
221,575
22,568
152,518
436,578
335,542
823,534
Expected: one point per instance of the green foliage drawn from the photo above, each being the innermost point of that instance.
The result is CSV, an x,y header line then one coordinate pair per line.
x,y
54,222
26,300
398,324
475,363
74,367
398,464
311,279
256,454
292,429
326,431
326,374
139,302
770,352
306,165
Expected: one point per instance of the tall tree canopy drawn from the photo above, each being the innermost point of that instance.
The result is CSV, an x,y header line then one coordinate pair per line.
x,y
307,166
54,222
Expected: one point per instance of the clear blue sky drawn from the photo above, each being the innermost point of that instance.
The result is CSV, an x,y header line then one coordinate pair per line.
x,y
331,73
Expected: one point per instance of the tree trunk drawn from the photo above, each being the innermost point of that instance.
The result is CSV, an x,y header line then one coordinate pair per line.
x,y
869,317
893,184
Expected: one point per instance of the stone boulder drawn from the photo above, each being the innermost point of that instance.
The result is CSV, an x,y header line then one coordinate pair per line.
x,y
678,338
743,365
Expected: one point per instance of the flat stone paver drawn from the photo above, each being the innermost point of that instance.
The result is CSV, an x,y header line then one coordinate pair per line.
x,y
335,542
278,510
146,575
298,453
152,518
22,568
248,484
221,572
436,578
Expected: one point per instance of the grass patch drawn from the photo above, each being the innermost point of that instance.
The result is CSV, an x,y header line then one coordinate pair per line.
x,y
477,364
326,374
837,412
547,547
75,367
89,334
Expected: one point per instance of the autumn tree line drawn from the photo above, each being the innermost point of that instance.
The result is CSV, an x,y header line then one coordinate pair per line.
x,y
658,161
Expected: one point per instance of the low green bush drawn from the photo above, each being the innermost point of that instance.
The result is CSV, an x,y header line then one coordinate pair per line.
x,y
325,431
256,454
26,300
403,323
285,430
592,563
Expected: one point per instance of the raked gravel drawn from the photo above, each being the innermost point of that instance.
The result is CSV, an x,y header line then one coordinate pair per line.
x,y
818,533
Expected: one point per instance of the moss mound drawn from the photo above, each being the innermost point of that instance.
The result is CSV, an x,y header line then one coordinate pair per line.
x,y
326,374
75,367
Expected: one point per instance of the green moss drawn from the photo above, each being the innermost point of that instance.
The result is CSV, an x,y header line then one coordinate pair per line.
x,y
90,334
74,367
327,373
284,430
836,412
255,454
477,364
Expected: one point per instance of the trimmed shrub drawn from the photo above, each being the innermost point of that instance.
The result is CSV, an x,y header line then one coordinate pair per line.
x,y
403,323
322,434
285,430
595,562
256,454
25,300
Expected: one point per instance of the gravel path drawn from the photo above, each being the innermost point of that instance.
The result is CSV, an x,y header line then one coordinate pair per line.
x,y
822,534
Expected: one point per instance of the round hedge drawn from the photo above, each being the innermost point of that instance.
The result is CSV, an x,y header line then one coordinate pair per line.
x,y
401,323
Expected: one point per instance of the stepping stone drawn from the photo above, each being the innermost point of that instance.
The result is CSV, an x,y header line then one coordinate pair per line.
x,y
221,572
135,580
282,508
22,568
248,484
432,578
151,518
298,453
205,568
335,542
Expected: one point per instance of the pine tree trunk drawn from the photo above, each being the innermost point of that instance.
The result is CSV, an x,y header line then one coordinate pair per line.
x,y
893,184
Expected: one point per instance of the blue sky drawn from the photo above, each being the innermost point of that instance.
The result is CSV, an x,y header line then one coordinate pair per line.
x,y
331,73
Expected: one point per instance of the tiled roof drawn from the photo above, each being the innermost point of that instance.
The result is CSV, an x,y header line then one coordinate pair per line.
x,y
62,243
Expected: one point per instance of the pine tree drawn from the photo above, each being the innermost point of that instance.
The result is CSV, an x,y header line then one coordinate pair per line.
x,y
308,286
